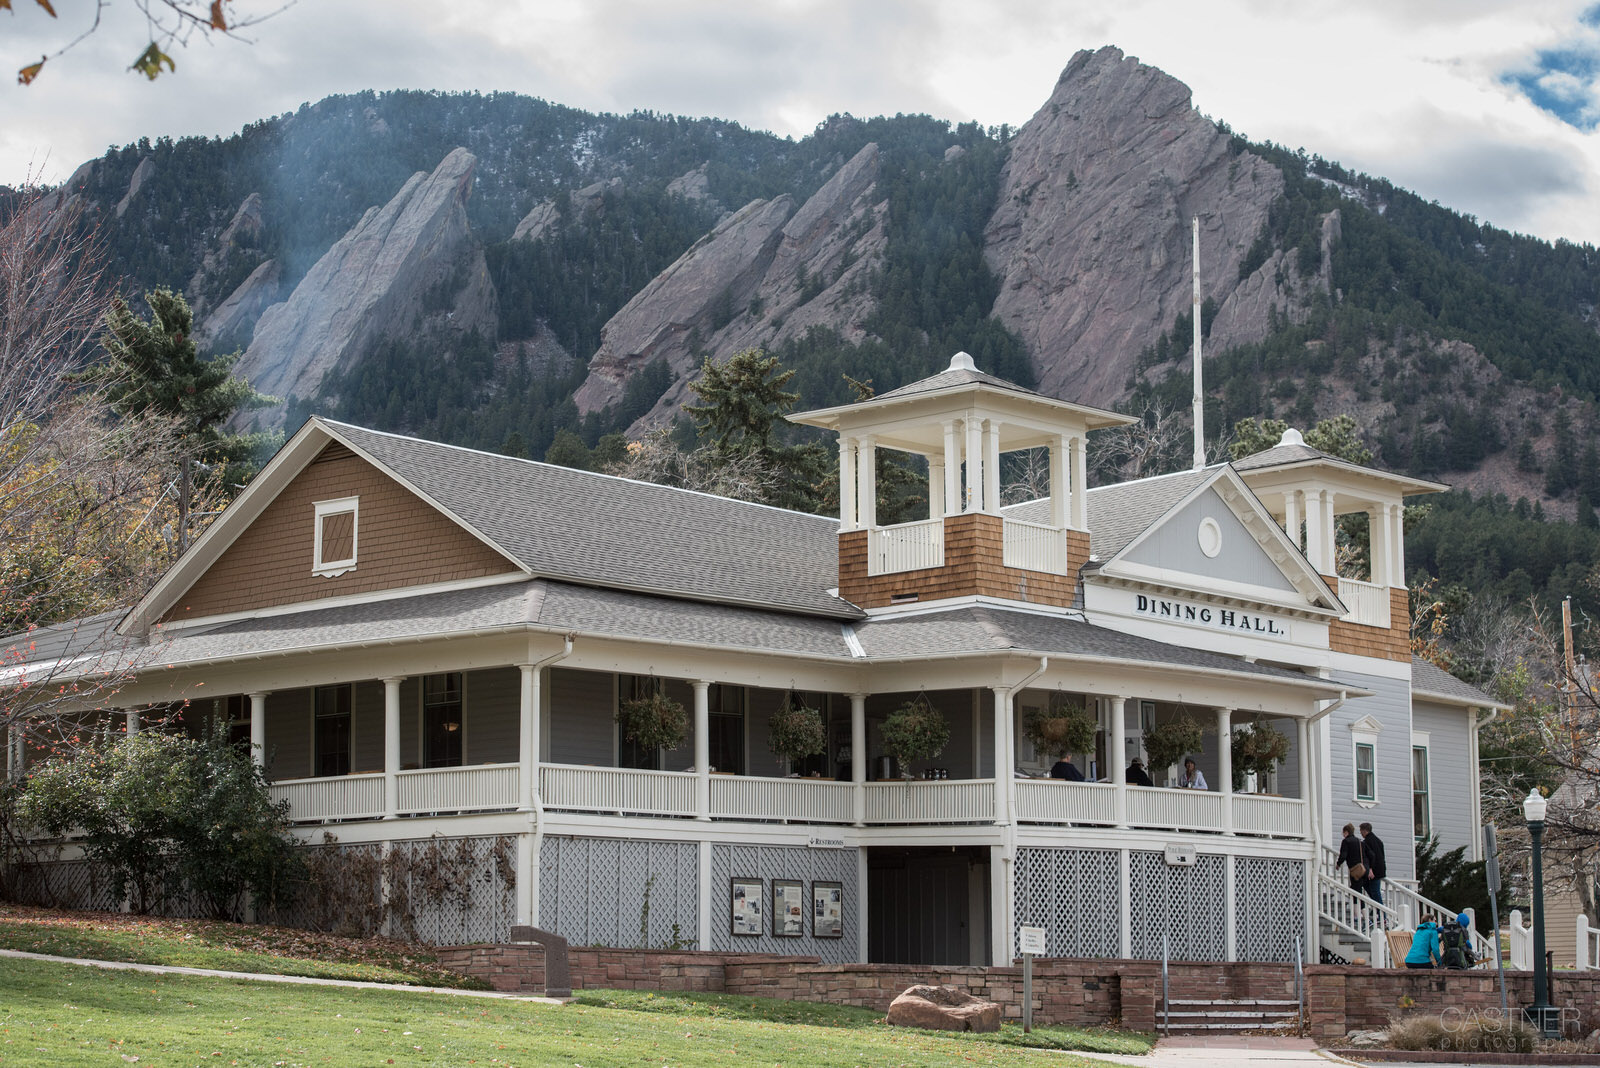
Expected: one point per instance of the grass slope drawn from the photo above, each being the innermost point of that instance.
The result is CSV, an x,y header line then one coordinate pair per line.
x,y
57,1014
226,946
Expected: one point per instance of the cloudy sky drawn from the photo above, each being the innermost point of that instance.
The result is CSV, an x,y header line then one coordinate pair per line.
x,y
1492,108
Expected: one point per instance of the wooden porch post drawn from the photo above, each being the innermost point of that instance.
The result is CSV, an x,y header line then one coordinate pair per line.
x,y
858,755
952,471
529,708
974,499
391,748
1117,754
1225,765
133,721
258,728
702,749
1003,764
1302,745
847,483
867,481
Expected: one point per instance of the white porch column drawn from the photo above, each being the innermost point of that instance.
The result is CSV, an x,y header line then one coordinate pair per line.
x,y
847,483
1330,535
1000,928
952,470
1004,765
991,467
974,498
1117,755
1225,765
702,750
708,895
863,953
1291,517
1378,544
858,754
1315,535
528,759
1302,747
1229,909
1080,483
391,748
1397,559
867,480
132,717
258,728
935,488
1060,497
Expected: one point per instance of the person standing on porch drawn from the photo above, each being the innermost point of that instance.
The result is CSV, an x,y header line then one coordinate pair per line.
x,y
1372,849
1351,859
1193,778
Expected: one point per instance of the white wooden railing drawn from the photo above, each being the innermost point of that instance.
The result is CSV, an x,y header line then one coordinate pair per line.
x,y
1521,942
336,797
1355,913
1178,810
1277,817
1058,801
1368,602
800,800
1587,957
617,791
466,789
1035,547
905,547
952,801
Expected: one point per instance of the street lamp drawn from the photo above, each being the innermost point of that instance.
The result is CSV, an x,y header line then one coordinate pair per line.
x,y
1541,1015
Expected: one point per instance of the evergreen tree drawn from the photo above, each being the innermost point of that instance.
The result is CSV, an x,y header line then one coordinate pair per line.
x,y
154,368
742,401
568,450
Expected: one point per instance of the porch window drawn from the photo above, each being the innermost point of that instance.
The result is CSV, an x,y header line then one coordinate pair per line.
x,y
334,544
234,710
1366,771
442,723
1421,813
726,706
331,733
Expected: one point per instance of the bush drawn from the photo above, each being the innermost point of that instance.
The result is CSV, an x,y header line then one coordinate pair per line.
x,y
654,721
1462,1033
1168,743
1257,748
796,731
1061,729
162,812
915,731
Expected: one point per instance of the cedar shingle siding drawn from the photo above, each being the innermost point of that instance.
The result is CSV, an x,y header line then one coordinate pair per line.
x,y
404,542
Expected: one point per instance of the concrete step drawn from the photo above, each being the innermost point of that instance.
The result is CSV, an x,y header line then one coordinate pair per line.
x,y
1205,1015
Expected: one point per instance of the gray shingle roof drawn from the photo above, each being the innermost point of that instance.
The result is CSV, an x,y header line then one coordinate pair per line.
x,y
952,378
68,639
1429,679
1281,454
1119,513
607,531
983,628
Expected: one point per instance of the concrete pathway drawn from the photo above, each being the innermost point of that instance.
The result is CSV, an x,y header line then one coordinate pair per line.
x,y
1227,1051
307,980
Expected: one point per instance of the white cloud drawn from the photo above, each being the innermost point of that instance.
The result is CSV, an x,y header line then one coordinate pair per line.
x,y
1411,91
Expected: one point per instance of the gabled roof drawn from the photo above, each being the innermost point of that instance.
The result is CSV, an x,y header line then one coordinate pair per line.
x,y
1432,681
561,523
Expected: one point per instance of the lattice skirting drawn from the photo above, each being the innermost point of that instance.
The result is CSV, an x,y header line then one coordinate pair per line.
x,y
804,865
1075,895
620,892
66,884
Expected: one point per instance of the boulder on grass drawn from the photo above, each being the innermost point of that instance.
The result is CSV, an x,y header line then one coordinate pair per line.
x,y
943,1008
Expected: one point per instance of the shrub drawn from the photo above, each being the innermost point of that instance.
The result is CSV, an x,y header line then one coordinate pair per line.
x,y
1462,1033
1063,728
1168,743
654,721
915,731
796,731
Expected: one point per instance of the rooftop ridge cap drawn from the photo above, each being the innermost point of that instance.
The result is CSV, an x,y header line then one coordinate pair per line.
x,y
576,470
1152,478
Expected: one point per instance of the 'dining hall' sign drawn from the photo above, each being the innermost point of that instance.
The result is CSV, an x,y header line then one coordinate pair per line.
x,y
1212,617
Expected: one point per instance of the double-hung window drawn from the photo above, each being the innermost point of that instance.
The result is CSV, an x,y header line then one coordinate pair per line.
x,y
1366,771
1421,810
331,732
442,725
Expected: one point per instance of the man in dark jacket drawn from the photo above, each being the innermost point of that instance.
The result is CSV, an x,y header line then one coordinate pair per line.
x,y
1136,773
1372,846
1066,769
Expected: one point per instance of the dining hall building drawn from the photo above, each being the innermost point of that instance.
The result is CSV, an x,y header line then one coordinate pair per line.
x,y
429,644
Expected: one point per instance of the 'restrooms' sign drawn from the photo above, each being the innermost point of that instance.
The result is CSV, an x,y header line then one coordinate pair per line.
x,y
1211,617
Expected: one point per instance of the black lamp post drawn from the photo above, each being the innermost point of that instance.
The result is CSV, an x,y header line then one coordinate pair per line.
x,y
1542,1015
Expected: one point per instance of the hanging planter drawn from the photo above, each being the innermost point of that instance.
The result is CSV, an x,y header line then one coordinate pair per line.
x,y
1064,727
914,731
1172,741
1258,749
654,721
796,731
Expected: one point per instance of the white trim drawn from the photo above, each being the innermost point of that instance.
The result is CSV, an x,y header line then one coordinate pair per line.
x,y
345,600
1427,770
918,608
322,510
1357,740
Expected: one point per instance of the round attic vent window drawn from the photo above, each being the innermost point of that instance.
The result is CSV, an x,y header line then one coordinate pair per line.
x,y
1210,536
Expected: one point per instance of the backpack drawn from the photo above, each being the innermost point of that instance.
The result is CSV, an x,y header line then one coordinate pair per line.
x,y
1453,946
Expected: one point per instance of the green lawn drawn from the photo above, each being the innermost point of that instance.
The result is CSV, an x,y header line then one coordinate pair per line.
x,y
60,1014
226,946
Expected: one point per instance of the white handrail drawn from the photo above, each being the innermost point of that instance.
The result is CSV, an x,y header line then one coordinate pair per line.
x,y
800,800
1060,801
1521,939
1587,957
332,797
470,788
941,801
1034,547
905,547
1275,817
620,791
1368,602
1177,810
1353,912
1421,908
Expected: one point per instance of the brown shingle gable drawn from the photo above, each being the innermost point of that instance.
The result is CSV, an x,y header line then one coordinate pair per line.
x,y
403,541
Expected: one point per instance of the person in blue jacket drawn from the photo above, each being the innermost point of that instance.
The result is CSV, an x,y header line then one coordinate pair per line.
x,y
1424,946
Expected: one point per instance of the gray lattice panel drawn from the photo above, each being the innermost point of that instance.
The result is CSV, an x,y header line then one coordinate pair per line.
x,y
592,891
785,862
1074,895
457,890
1188,904
1270,907
69,884
354,910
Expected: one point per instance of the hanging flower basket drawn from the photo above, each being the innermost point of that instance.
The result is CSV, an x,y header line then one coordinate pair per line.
x,y
1061,729
795,731
1260,749
914,731
654,721
1172,741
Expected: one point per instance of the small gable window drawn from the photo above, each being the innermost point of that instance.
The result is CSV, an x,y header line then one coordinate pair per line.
x,y
334,549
